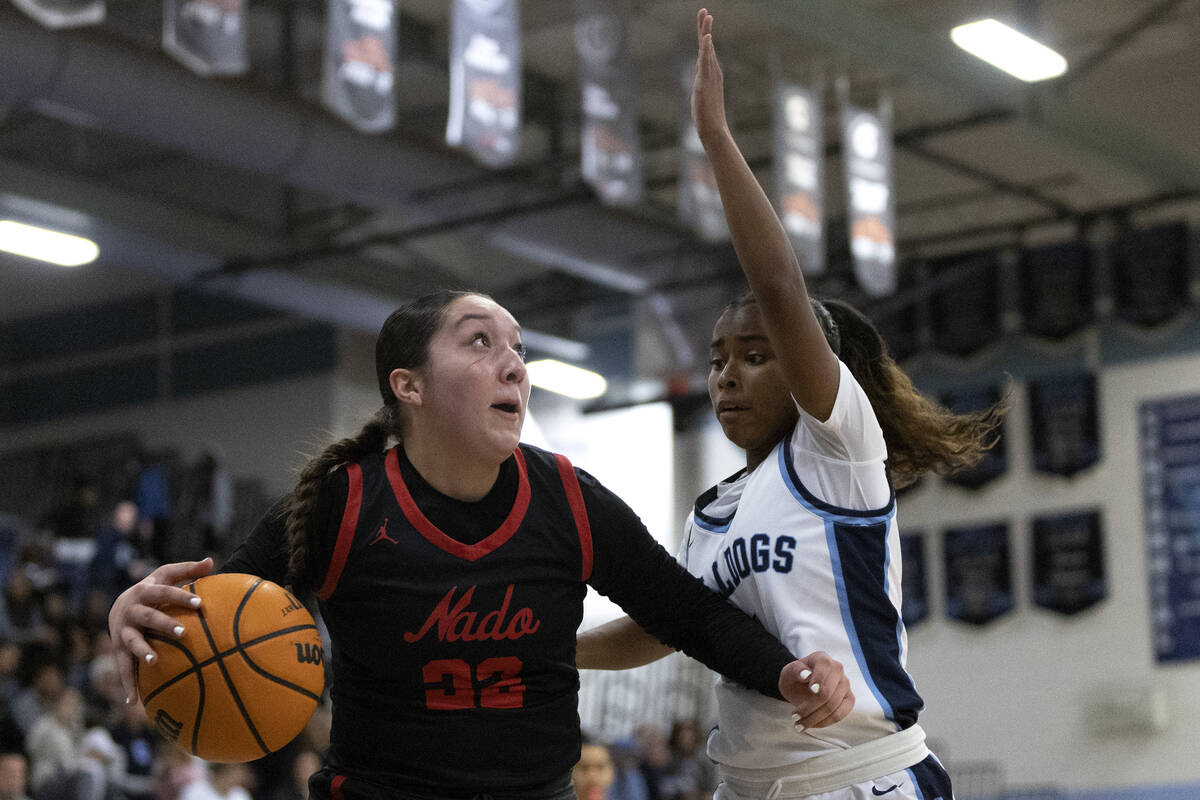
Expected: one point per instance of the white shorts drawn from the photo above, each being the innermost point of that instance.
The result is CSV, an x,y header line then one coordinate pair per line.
x,y
926,780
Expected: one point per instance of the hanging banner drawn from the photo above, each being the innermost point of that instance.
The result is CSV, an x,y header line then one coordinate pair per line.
x,y
63,13
1056,289
870,200
915,607
610,147
1151,274
1170,457
485,80
206,36
965,311
1068,562
699,199
995,461
1063,423
798,166
360,54
978,575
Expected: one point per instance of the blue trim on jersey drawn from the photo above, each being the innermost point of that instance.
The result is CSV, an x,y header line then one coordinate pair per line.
x,y
707,521
839,580
912,776
858,548
820,507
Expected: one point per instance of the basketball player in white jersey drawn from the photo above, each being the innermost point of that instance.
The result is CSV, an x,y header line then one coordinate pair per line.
x,y
805,537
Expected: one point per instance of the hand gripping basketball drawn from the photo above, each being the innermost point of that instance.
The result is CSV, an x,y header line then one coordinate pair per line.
x,y
244,678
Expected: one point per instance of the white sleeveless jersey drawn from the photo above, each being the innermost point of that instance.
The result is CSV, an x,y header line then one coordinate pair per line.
x,y
807,544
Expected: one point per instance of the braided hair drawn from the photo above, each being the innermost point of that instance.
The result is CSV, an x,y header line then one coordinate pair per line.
x,y
403,343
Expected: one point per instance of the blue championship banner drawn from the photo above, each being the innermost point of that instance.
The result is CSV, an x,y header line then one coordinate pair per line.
x,y
1068,562
63,13
1151,274
915,607
610,148
978,573
1170,446
1056,289
1063,423
485,80
871,201
995,461
360,54
965,311
798,159
206,36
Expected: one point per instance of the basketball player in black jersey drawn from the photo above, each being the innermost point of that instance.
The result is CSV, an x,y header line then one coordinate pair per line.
x,y
451,571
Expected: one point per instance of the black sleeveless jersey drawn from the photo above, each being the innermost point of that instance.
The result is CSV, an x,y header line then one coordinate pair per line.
x,y
441,647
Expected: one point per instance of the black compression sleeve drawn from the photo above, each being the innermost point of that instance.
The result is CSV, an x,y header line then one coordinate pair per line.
x,y
660,595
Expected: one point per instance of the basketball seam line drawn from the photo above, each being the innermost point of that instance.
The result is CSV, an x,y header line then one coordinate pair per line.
x,y
237,698
208,662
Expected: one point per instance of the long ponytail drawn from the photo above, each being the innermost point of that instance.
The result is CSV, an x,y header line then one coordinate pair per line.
x,y
921,434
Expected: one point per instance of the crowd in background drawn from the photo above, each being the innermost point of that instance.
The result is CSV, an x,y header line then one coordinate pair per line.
x,y
66,732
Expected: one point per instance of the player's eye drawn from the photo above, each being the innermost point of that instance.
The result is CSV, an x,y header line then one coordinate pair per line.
x,y
481,338
522,351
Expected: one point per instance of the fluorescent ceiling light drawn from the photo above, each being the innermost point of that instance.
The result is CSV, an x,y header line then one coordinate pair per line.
x,y
576,382
1008,49
46,245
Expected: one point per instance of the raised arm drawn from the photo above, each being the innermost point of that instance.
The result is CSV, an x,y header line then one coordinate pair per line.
x,y
809,366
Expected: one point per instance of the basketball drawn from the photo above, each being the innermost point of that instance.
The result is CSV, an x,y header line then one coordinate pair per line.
x,y
244,678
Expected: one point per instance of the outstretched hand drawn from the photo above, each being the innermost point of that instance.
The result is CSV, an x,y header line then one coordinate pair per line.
x,y
139,608
818,688
708,85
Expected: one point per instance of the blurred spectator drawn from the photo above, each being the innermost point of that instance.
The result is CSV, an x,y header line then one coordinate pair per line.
x,y
205,512
43,686
14,771
139,746
12,533
53,741
593,774
121,557
21,618
223,782
75,526
694,770
628,781
10,665
655,764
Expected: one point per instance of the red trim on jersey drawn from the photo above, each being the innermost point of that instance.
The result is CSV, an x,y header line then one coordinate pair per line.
x,y
335,787
469,552
578,510
345,537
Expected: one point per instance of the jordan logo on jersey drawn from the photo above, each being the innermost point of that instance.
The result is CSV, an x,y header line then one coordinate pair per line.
x,y
383,534
455,622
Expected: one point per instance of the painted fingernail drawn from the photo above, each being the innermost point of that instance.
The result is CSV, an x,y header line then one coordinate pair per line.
x,y
149,658
804,674
816,688
178,630
194,602
798,728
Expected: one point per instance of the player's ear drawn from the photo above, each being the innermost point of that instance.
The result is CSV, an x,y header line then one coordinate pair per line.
x,y
407,386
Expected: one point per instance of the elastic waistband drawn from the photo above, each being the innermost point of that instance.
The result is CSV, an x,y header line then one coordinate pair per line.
x,y
836,770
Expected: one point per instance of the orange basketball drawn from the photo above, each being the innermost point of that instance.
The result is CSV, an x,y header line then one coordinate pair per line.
x,y
245,677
